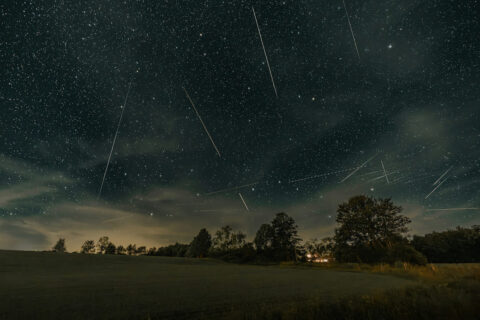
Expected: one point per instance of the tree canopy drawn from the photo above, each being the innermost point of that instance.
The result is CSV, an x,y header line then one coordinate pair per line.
x,y
278,240
88,247
200,245
368,229
60,246
454,246
226,239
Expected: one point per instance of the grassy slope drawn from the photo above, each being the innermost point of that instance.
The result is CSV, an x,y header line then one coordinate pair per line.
x,y
75,286
445,291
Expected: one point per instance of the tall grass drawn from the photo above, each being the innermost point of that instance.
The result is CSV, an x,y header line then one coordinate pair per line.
x,y
445,292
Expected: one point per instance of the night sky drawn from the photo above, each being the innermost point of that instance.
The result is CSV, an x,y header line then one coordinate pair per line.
x,y
409,99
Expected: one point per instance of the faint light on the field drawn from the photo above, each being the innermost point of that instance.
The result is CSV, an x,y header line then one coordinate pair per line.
x,y
309,256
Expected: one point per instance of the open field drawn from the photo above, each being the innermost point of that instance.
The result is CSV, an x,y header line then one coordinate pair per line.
x,y
46,285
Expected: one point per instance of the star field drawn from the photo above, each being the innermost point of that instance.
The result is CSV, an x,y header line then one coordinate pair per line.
x,y
409,99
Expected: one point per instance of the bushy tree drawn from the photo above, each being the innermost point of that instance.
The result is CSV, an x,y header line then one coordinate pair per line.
x,y
322,249
131,249
368,229
279,240
226,239
104,245
60,246
173,250
285,240
264,238
141,250
121,250
111,249
200,245
452,246
88,247
231,246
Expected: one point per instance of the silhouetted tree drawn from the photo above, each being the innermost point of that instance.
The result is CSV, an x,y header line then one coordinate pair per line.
x,y
60,246
131,249
110,249
173,250
141,250
88,247
285,241
451,246
322,249
264,238
279,240
121,250
200,245
231,246
369,229
226,239
103,244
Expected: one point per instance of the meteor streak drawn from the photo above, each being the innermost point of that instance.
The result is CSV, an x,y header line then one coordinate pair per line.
x,y
381,177
117,219
232,188
428,195
244,203
320,175
386,176
265,52
351,29
114,140
203,124
358,168
438,180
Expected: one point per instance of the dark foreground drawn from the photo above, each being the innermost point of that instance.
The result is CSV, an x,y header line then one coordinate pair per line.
x,y
74,286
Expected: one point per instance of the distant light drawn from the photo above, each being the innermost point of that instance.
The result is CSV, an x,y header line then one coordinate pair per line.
x,y
390,46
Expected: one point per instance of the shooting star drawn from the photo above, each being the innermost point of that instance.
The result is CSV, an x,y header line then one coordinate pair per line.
x,y
428,195
369,173
114,140
232,188
265,52
243,200
397,180
383,167
438,180
382,176
117,219
320,175
452,209
203,124
358,168
351,29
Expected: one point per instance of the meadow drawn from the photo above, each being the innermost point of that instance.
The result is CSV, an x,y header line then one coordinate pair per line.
x,y
45,285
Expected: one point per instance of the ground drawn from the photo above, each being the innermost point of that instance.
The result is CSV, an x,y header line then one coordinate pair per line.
x,y
77,286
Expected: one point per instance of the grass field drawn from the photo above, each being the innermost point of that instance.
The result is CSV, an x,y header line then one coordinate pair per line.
x,y
36,285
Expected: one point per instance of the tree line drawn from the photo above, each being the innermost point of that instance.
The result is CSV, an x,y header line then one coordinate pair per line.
x,y
368,230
